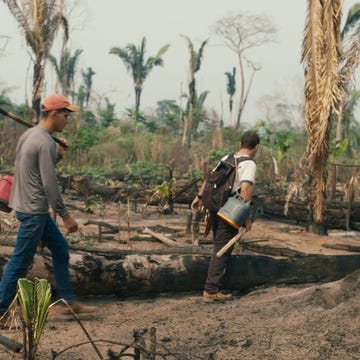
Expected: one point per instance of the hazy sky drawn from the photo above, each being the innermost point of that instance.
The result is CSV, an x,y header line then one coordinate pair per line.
x,y
97,26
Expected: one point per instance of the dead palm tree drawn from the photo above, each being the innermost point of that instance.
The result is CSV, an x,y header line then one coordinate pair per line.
x,y
87,77
39,20
321,56
194,66
134,60
66,69
231,89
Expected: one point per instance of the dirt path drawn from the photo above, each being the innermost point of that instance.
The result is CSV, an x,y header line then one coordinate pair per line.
x,y
306,322
302,322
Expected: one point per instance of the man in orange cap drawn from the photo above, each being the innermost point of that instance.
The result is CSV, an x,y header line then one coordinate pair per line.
x,y
34,190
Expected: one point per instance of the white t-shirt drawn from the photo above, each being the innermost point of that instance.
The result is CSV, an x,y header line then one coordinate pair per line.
x,y
246,171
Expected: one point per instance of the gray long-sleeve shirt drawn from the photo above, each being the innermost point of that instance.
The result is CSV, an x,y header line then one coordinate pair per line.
x,y
35,184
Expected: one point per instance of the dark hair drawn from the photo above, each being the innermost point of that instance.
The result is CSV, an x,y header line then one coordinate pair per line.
x,y
250,139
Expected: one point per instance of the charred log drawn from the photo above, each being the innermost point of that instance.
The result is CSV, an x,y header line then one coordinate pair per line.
x,y
136,274
336,213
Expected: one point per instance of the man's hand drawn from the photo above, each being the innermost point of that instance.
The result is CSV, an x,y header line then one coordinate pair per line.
x,y
70,224
248,224
60,149
195,205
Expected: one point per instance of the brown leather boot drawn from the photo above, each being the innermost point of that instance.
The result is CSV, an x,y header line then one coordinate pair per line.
x,y
76,306
219,296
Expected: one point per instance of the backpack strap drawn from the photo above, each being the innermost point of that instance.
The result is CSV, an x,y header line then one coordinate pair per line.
x,y
244,158
234,162
231,159
238,161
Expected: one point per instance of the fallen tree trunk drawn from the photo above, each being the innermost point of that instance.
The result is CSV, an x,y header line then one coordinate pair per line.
x,y
152,274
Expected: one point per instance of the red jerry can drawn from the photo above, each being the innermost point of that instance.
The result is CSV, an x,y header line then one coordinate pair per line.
x,y
5,189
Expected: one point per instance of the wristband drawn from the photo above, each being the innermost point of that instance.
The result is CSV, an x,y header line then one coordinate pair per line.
x,y
199,196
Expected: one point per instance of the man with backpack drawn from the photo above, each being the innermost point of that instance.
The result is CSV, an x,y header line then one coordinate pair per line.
x,y
222,230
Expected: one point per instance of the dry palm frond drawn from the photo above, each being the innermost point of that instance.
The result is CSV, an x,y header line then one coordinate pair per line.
x,y
40,21
321,56
11,318
321,60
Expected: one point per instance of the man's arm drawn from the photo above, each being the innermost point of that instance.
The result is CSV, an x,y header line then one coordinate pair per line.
x,y
196,204
47,159
246,192
69,222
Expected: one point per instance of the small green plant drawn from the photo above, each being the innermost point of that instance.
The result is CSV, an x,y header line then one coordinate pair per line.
x,y
164,192
93,201
34,301
73,239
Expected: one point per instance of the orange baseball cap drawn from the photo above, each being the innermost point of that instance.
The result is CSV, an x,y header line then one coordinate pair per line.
x,y
57,102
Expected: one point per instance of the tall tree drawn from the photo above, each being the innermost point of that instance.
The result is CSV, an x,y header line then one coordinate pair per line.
x,y
66,69
321,56
134,60
87,77
231,89
242,33
39,20
168,113
199,113
194,66
107,113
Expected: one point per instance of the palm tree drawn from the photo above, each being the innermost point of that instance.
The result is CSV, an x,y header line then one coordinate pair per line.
x,y
134,60
39,20
194,67
231,88
87,77
321,57
66,69
199,113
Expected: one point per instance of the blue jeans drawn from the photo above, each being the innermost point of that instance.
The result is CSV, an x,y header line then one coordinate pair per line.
x,y
33,229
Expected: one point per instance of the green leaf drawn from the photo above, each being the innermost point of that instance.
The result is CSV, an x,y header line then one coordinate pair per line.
x,y
43,299
26,299
34,300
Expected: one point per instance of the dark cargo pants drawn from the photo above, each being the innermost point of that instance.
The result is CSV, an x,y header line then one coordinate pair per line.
x,y
222,233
